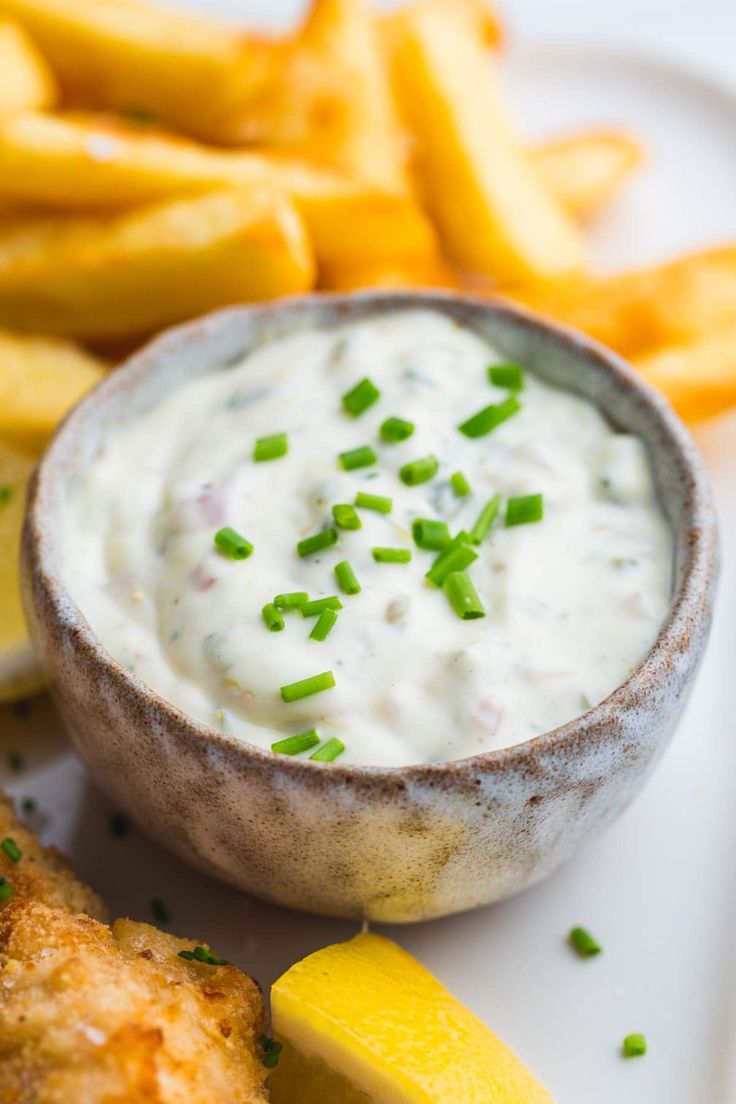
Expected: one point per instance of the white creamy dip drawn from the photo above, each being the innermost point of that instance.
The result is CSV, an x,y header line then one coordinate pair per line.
x,y
572,602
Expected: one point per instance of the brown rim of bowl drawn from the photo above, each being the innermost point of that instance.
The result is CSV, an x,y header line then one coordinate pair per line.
x,y
699,541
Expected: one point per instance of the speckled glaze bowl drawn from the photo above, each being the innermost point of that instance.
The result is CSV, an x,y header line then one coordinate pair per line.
x,y
392,844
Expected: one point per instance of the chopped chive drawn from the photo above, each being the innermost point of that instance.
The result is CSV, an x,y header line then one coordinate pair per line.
x,y
633,1046
271,448
295,745
11,849
583,943
510,376
232,544
271,1051
430,535
374,502
459,483
391,555
159,911
456,557
317,605
201,954
525,509
347,578
294,599
118,825
346,517
317,542
462,596
6,890
329,751
323,625
304,688
361,457
486,518
490,417
394,430
272,617
6,494
359,398
418,471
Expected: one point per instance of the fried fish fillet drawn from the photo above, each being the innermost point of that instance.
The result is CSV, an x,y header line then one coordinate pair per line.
x,y
98,1014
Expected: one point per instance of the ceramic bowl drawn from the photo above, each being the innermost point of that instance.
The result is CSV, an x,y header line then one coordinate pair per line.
x,y
391,844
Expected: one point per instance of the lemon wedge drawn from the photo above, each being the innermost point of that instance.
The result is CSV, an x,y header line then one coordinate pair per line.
x,y
364,1023
20,674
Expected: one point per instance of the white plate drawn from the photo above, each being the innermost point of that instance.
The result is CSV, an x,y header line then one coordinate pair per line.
x,y
659,889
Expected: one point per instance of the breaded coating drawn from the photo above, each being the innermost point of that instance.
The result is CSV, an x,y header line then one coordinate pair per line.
x,y
44,874
93,1014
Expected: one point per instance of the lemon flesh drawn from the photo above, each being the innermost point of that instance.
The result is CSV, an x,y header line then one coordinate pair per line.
x,y
20,674
364,1023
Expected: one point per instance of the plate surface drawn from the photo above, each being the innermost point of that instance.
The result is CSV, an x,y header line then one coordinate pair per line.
x,y
659,889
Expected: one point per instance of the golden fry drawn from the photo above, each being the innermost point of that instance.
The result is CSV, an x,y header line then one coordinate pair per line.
x,y
131,274
383,274
648,309
183,70
96,163
330,100
26,82
40,379
698,377
585,170
493,213
484,20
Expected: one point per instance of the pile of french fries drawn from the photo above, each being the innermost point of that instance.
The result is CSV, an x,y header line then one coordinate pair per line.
x,y
155,165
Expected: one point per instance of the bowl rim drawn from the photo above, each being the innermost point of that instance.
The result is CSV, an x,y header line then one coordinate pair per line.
x,y
690,603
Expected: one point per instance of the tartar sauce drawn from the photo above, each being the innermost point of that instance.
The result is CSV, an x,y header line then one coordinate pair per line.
x,y
572,602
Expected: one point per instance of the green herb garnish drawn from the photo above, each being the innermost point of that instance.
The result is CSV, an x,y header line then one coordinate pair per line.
x,y
323,625
317,542
304,688
329,751
634,1046
418,471
391,555
318,605
11,849
361,457
346,517
373,502
456,557
394,430
525,509
430,535
486,518
295,745
28,806
6,890
490,417
295,599
6,494
459,484
462,596
271,1051
272,617
583,943
510,376
231,544
360,397
347,578
271,448
201,954
160,911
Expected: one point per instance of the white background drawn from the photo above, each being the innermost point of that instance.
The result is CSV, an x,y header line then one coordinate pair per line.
x,y
659,889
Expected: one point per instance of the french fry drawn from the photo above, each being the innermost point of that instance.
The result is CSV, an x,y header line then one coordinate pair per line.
x,y
698,377
128,275
649,309
585,170
484,20
330,98
26,82
185,71
493,213
92,163
383,274
40,379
